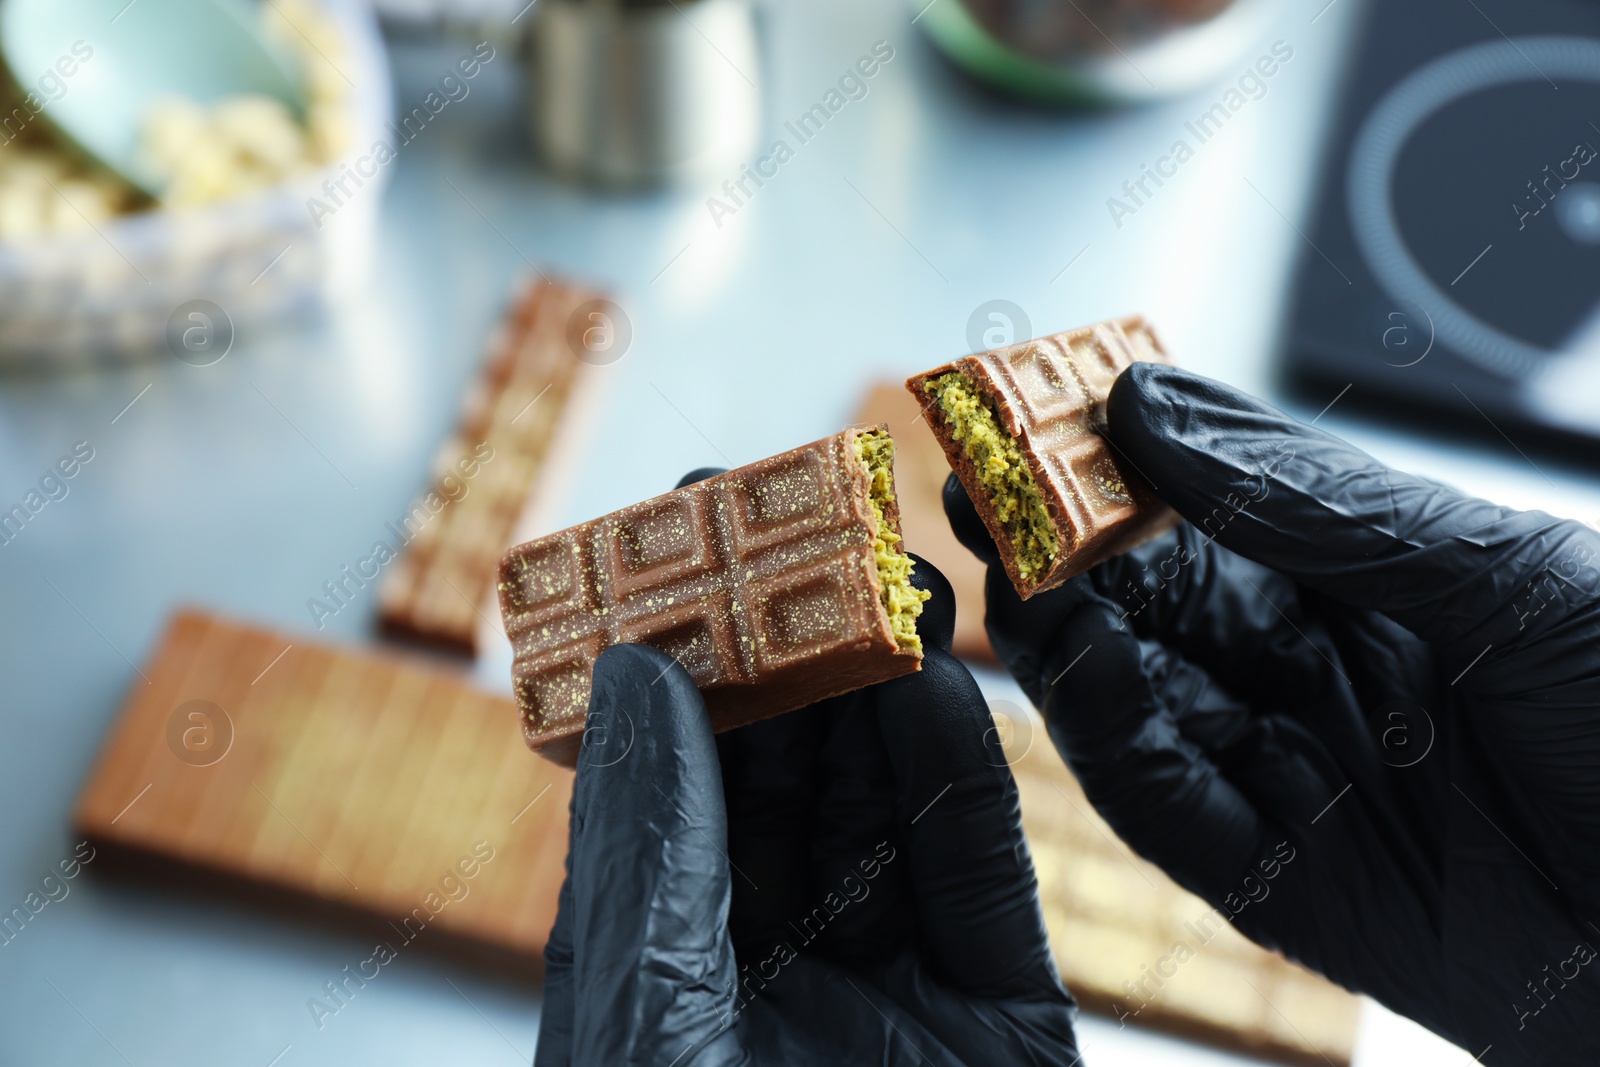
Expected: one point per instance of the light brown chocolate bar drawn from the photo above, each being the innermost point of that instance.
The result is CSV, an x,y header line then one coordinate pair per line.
x,y
775,585
361,781
496,478
1021,427
920,471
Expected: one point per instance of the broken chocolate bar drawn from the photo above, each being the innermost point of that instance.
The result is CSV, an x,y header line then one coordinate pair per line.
x,y
1021,427
775,585
920,471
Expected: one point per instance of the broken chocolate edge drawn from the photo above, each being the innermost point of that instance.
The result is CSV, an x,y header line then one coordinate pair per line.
x,y
890,522
1067,535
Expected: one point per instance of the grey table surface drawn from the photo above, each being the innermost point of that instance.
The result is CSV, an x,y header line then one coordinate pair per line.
x,y
864,257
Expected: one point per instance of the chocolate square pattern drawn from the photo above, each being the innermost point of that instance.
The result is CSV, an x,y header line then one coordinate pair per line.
x,y
762,582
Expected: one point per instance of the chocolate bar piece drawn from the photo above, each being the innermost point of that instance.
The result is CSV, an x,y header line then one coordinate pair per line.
x,y
493,481
920,471
1020,426
776,585
334,776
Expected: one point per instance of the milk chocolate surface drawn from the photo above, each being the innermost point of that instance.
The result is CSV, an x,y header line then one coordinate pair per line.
x,y
762,582
1047,398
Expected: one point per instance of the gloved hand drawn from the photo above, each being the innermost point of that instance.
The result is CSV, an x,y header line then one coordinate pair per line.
x,y
1356,709
844,884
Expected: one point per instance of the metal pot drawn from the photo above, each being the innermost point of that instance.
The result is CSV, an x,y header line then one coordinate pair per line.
x,y
632,94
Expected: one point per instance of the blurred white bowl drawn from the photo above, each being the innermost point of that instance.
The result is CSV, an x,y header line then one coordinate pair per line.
x,y
103,295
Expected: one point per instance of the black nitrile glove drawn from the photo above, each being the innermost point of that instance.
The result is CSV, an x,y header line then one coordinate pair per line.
x,y
1364,719
847,884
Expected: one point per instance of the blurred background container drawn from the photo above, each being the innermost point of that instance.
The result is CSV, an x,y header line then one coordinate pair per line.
x,y
1096,51
623,94
106,289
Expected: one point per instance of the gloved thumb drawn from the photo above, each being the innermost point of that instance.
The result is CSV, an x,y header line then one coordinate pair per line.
x,y
965,523
640,958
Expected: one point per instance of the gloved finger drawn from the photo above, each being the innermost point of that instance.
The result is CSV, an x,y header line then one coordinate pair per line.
x,y
1020,631
652,964
1224,623
1138,726
861,910
556,1017
1264,639
556,1013
856,906
1035,1029
822,1013
978,919
965,522
1326,514
1214,607
699,474
769,781
1221,796
1241,622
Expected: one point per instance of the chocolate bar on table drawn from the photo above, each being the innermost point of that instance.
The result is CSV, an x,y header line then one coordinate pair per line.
x,y
1022,428
333,775
497,477
775,585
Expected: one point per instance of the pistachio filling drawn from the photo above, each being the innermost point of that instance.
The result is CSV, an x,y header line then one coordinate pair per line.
x,y
1002,469
901,599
